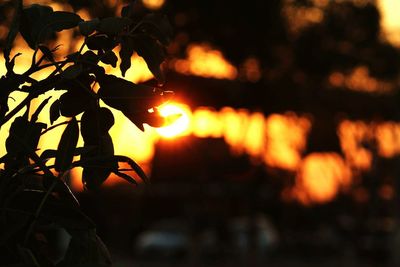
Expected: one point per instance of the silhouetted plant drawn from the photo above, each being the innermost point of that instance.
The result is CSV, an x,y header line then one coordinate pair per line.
x,y
33,194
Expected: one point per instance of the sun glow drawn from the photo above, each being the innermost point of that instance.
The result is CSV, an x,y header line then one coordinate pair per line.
x,y
181,126
389,20
153,4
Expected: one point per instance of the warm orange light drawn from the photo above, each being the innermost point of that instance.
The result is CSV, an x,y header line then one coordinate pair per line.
x,y
320,177
359,79
203,60
278,139
234,121
390,22
180,126
286,139
251,70
387,136
352,135
153,4
300,17
206,123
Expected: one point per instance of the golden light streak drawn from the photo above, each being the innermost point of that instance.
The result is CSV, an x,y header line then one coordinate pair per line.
x,y
234,122
359,79
254,140
206,123
278,140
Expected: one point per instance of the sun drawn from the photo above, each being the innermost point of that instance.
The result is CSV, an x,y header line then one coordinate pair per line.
x,y
181,126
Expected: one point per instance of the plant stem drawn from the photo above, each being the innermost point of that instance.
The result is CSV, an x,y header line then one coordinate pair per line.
x,y
36,90
39,208
54,126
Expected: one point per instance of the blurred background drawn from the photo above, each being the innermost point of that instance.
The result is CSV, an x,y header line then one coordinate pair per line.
x,y
287,150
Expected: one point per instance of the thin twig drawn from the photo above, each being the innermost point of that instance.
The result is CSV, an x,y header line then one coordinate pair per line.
x,y
54,126
39,209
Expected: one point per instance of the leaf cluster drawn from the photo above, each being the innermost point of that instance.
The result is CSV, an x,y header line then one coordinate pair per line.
x,y
35,195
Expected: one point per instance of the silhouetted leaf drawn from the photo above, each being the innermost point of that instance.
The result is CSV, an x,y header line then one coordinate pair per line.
x,y
73,56
126,177
61,212
16,136
70,105
125,54
95,123
133,100
155,119
39,22
158,27
137,118
52,153
127,96
66,146
48,154
89,127
89,60
113,25
79,96
98,165
35,115
85,249
24,136
54,111
62,20
88,27
72,72
100,42
106,119
152,52
110,58
33,24
133,165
